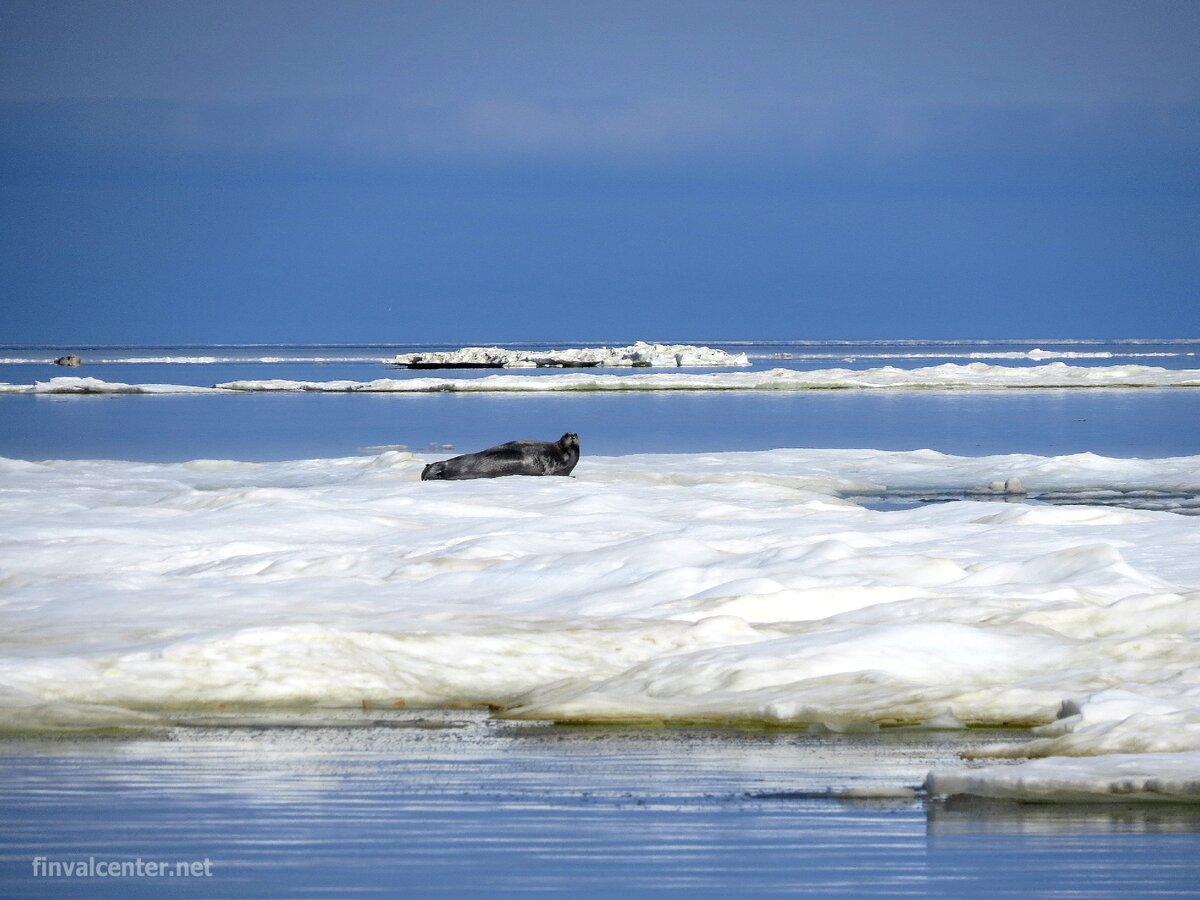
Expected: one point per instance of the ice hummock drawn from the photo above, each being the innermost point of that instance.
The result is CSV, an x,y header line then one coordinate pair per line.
x,y
639,354
730,587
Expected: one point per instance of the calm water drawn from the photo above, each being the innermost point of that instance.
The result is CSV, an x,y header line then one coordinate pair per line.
x,y
287,426
210,364
486,808
1147,423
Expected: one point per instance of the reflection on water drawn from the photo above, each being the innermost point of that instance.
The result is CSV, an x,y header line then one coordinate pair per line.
x,y
295,806
1181,502
976,815
1069,850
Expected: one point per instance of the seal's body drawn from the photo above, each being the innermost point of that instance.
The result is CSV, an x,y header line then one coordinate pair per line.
x,y
514,458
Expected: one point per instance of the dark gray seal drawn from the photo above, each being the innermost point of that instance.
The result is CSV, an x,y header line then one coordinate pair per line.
x,y
514,458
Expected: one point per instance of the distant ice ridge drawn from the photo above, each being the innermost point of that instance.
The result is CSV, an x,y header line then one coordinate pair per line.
x,y
977,376
972,376
1035,353
740,587
640,353
856,350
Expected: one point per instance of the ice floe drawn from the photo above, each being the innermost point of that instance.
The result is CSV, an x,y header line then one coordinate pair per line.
x,y
1173,777
71,384
971,376
725,587
639,354
979,376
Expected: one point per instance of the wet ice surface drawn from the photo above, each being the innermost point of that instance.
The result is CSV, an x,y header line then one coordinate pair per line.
x,y
1185,503
450,803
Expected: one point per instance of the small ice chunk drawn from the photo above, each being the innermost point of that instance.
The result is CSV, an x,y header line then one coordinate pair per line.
x,y
944,721
1122,778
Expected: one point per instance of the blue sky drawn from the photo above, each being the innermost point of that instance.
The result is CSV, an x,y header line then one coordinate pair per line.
x,y
466,171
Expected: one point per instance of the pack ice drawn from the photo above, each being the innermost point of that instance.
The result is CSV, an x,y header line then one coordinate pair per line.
x,y
641,353
949,376
734,587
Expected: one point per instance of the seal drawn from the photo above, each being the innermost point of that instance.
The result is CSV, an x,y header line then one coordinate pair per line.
x,y
514,458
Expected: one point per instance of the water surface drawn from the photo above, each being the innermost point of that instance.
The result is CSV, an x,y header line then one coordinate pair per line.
x,y
1113,422
257,427
493,808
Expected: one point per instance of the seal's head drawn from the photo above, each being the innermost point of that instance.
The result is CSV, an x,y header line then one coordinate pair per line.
x,y
568,440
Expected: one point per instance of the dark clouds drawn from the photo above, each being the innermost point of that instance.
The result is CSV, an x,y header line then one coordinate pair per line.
x,y
562,78
931,168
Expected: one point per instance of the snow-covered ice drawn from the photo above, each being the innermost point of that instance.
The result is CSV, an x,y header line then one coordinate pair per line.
x,y
950,375
1036,353
970,376
734,587
72,384
641,353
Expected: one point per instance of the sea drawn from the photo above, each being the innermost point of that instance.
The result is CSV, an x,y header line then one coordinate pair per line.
x,y
259,426
257,798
